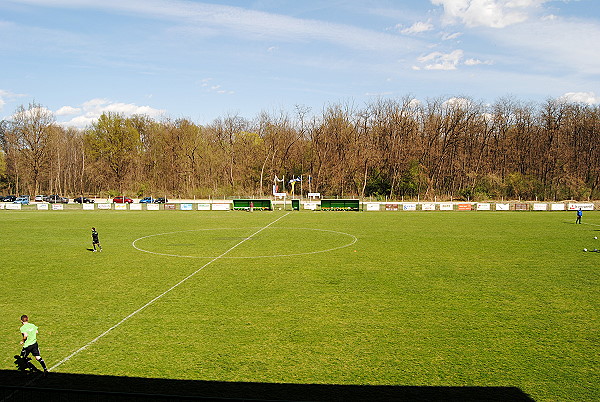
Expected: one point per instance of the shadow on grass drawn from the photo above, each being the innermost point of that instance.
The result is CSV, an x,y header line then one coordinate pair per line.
x,y
18,386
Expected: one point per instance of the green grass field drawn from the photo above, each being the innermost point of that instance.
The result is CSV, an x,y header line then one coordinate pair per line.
x,y
395,298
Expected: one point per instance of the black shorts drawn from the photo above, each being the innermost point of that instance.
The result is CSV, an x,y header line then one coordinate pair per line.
x,y
33,349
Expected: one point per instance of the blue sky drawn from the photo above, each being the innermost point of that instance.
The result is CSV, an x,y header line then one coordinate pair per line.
x,y
203,60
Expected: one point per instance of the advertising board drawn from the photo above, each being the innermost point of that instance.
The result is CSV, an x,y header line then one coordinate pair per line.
x,y
446,206
372,206
221,207
409,207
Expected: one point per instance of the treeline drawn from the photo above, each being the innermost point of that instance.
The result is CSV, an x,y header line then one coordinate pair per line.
x,y
394,148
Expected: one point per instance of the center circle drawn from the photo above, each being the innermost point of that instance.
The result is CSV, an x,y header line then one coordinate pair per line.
x,y
244,242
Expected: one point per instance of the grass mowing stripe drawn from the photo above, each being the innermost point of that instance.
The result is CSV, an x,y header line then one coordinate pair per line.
x,y
81,349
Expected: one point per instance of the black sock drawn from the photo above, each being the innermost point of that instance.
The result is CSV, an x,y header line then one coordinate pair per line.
x,y
43,363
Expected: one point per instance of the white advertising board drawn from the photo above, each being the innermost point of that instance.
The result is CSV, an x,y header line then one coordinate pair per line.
x,y
152,207
13,206
186,207
221,207
446,206
2,205
484,206
42,207
203,207
557,207
57,207
585,206
120,207
539,207
314,195
103,206
428,206
372,206
311,205
409,207
88,207
135,207
502,207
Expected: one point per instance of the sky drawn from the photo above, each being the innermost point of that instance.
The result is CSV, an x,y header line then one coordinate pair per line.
x,y
206,60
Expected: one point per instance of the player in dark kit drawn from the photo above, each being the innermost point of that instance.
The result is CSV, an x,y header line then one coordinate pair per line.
x,y
95,240
579,214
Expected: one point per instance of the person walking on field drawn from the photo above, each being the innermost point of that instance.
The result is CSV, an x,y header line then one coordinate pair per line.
x,y
579,214
95,240
29,341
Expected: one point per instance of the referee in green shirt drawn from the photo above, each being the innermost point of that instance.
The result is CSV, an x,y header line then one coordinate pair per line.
x,y
29,341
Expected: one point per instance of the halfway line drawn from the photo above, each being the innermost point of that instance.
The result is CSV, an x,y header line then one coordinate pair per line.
x,y
81,349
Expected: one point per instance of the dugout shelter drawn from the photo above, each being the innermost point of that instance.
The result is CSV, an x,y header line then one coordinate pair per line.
x,y
340,205
259,205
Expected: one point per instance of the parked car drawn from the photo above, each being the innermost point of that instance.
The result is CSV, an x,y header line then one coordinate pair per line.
x,y
83,200
22,199
122,200
55,199
39,198
8,198
150,200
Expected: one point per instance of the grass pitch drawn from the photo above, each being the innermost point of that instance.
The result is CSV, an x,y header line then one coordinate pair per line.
x,y
388,298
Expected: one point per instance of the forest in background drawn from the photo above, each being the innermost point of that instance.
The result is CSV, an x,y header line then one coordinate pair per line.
x,y
440,149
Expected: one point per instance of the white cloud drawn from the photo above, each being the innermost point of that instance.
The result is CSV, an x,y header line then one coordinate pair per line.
x,y
450,36
90,111
8,96
216,88
31,113
551,44
243,23
488,13
589,98
417,27
414,103
67,110
475,62
463,103
441,61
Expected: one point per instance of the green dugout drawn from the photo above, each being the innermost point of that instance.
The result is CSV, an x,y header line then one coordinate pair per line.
x,y
340,205
258,205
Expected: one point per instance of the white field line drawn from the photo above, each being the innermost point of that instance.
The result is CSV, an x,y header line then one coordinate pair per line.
x,y
354,240
90,343
592,224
